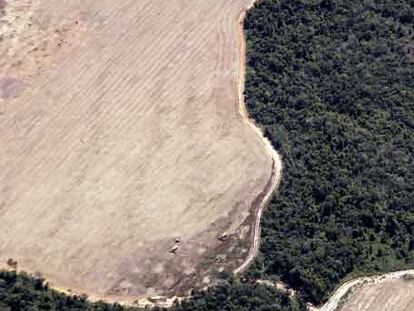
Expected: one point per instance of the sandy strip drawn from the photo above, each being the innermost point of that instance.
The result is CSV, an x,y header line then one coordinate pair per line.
x,y
277,162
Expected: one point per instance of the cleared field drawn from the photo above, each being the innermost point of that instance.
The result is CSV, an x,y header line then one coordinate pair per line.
x,y
120,132
390,295
391,291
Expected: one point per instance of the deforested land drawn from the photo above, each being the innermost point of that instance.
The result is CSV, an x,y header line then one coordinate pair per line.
x,y
126,167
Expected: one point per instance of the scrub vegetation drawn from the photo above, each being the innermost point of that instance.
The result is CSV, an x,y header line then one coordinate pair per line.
x,y
20,292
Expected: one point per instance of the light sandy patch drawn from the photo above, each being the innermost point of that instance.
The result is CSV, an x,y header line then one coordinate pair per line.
x,y
389,292
391,295
127,135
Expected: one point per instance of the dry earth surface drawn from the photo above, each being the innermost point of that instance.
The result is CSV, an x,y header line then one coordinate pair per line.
x,y
392,291
120,132
391,295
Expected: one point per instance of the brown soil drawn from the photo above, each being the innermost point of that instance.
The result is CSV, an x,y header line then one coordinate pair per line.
x,y
120,131
363,292
390,295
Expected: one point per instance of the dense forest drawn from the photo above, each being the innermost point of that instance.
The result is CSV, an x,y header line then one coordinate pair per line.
x,y
332,84
236,296
21,292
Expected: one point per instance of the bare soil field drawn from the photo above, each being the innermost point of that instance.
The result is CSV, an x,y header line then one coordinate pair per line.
x,y
386,292
121,139
390,295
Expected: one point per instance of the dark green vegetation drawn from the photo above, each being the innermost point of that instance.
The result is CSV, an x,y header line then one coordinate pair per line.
x,y
19,292
22,292
332,84
234,296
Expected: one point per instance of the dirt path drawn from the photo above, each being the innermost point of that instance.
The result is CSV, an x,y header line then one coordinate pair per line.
x,y
277,162
334,303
